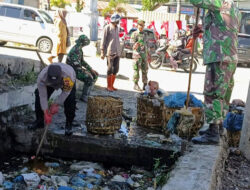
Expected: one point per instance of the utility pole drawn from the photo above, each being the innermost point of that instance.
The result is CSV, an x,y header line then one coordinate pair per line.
x,y
91,10
178,9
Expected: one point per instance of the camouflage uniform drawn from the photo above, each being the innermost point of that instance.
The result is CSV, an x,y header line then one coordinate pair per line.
x,y
220,55
140,63
75,59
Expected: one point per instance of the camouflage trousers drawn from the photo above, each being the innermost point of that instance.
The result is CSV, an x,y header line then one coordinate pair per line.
x,y
218,88
86,76
141,64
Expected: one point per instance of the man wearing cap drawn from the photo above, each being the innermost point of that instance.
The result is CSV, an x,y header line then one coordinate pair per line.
x,y
83,70
110,47
138,39
53,77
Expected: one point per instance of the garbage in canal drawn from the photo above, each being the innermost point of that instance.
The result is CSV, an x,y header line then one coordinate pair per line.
x,y
74,175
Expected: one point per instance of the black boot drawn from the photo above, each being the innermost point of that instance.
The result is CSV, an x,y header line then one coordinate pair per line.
x,y
37,124
211,136
144,85
137,87
68,129
206,129
85,93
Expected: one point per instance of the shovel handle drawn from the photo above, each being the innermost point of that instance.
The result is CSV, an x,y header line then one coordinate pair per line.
x,y
192,59
41,142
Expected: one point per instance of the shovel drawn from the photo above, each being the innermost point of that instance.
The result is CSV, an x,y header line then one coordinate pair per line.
x,y
192,59
41,142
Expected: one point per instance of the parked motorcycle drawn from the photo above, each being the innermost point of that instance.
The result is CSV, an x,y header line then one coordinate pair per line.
x,y
162,58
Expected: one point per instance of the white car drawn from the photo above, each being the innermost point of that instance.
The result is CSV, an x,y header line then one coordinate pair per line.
x,y
26,25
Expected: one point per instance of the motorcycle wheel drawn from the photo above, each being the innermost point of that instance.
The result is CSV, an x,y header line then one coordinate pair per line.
x,y
155,62
194,66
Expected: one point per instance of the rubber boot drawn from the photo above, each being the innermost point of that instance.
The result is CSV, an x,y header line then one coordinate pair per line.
x,y
68,129
144,86
112,82
210,137
85,93
137,87
37,124
109,83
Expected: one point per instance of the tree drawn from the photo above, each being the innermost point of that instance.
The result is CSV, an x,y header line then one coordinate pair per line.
x,y
149,5
79,5
114,6
59,3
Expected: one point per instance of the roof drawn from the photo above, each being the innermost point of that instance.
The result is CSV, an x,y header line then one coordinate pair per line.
x,y
131,12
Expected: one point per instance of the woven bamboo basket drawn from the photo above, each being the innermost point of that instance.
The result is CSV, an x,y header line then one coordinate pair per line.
x,y
150,112
104,114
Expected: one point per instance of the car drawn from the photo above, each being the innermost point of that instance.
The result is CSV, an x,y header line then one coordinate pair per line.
x,y
151,42
26,25
244,39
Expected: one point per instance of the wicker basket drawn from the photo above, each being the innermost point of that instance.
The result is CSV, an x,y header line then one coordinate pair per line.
x,y
104,114
150,112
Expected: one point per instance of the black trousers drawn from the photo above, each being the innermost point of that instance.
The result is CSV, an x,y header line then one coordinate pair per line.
x,y
69,105
113,65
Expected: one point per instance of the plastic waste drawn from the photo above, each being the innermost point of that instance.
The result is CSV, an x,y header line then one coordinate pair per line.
x,y
65,188
97,176
18,179
31,179
58,181
90,186
78,182
83,176
1,178
45,178
7,185
118,178
52,164
24,170
152,143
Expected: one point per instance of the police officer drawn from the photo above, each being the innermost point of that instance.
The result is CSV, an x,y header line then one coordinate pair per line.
x,y
53,77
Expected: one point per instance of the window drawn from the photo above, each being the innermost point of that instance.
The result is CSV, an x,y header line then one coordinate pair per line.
x,y
2,11
245,23
13,12
46,17
29,15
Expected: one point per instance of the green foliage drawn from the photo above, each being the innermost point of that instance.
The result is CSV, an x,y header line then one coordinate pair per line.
x,y
149,5
59,3
114,6
29,78
161,173
79,5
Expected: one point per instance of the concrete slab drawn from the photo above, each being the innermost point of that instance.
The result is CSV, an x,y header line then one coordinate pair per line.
x,y
198,169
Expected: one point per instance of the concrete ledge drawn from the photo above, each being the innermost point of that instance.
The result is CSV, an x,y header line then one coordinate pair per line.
x,y
22,96
17,65
198,169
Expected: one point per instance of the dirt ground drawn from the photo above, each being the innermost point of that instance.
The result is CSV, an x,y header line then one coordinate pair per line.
x,y
237,173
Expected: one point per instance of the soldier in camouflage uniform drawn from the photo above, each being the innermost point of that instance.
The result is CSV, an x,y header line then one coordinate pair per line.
x,y
220,57
138,39
84,72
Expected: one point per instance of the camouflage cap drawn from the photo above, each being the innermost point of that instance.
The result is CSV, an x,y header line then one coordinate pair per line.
x,y
141,22
83,40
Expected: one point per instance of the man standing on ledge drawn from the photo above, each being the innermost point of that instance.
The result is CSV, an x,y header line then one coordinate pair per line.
x,y
110,47
220,57
51,78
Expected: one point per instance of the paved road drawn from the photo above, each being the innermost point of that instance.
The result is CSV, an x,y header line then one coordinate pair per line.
x,y
168,80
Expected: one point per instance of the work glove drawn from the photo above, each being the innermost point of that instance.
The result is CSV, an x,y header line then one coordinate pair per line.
x,y
102,55
54,109
47,117
196,32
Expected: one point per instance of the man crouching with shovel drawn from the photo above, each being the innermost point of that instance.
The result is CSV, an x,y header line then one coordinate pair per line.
x,y
51,78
